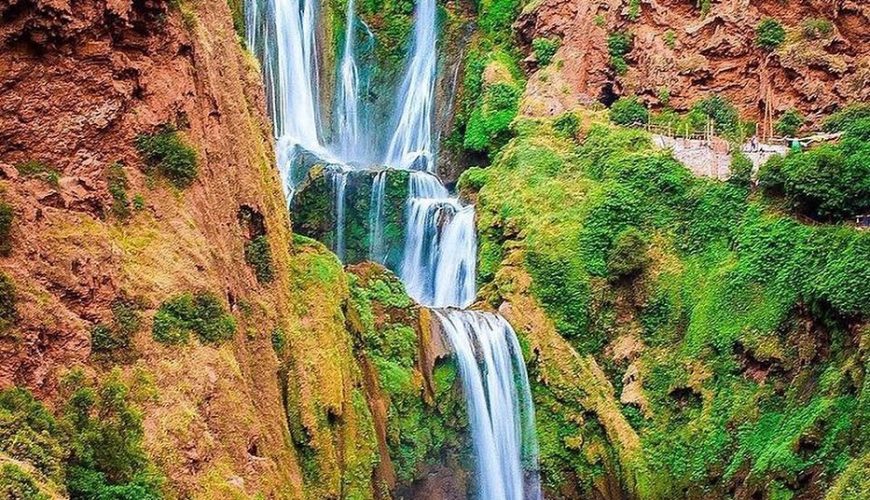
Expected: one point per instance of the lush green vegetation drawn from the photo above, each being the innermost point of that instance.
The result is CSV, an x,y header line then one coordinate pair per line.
x,y
618,45
168,154
628,111
40,170
544,49
7,215
420,430
200,313
829,182
258,255
769,34
118,335
313,213
92,446
750,374
8,297
789,123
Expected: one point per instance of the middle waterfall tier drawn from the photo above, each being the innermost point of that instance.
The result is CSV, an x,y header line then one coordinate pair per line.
x,y
407,221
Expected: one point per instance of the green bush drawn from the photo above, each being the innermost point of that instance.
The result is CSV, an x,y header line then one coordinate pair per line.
x,y
618,45
769,34
138,202
279,341
35,168
472,179
94,445
842,119
725,117
8,297
7,215
15,483
259,256
741,169
489,125
567,125
628,257
789,123
201,313
118,185
126,321
628,111
633,10
168,153
816,28
670,39
829,182
30,433
544,49
105,435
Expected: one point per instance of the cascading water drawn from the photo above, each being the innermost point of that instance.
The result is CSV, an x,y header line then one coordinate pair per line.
x,y
347,109
338,180
438,268
411,143
499,402
377,252
438,265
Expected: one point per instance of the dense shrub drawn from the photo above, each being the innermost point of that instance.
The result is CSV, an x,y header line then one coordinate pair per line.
x,y
93,445
741,169
789,123
829,182
30,433
840,120
544,49
769,34
618,45
279,341
8,312
118,185
6,217
489,125
166,152
126,321
201,313
38,169
15,483
105,435
472,179
567,125
628,257
258,255
725,117
628,111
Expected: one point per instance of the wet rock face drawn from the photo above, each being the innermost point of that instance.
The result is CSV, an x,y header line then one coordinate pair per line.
x,y
680,53
313,212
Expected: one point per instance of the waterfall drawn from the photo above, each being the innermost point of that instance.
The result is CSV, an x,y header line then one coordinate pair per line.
x,y
499,402
438,264
338,180
377,252
283,35
438,267
347,109
411,144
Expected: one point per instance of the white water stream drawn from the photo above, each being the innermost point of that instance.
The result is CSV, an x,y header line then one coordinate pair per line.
x,y
439,258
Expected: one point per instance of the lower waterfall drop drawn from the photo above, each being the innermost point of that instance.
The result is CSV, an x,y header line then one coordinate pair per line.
x,y
500,411
438,268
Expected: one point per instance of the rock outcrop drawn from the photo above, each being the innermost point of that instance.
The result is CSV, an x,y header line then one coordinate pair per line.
x,y
682,51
